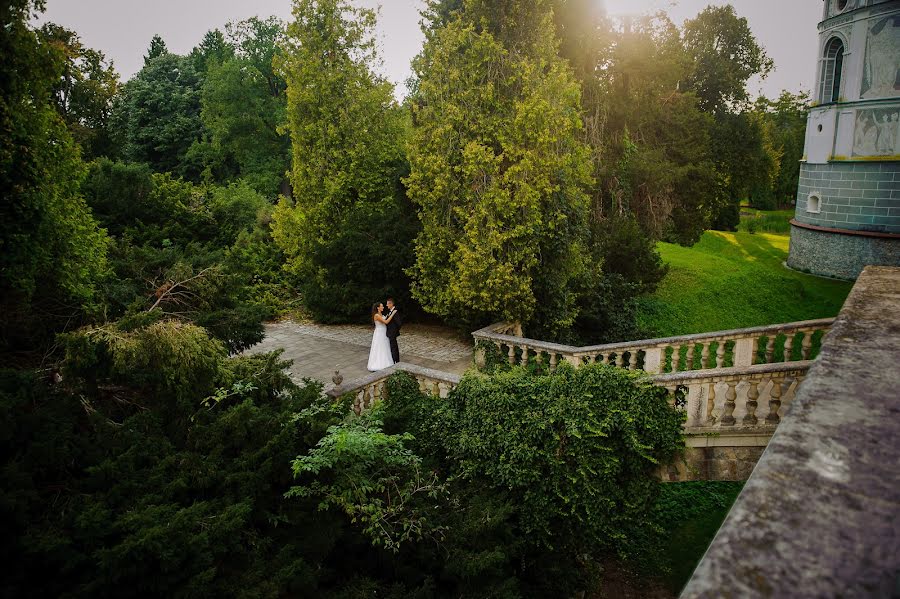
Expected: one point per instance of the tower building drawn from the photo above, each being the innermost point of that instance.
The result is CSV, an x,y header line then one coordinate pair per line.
x,y
848,198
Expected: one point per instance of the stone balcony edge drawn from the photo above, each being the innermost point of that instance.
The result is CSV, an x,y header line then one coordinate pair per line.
x,y
487,333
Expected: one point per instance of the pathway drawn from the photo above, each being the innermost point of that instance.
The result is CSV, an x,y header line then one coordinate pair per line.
x,y
318,350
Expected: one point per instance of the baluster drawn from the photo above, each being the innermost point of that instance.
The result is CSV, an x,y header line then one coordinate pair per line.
x,y
770,348
421,381
524,349
774,402
720,354
689,358
591,358
435,388
619,359
752,396
552,361
704,356
676,357
805,345
632,359
788,347
538,357
730,396
606,358
711,403
511,356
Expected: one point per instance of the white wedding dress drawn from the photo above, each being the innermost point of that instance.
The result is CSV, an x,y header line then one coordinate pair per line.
x,y
380,352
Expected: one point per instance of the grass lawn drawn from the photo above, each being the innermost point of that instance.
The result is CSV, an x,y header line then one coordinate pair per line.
x,y
765,221
735,280
690,514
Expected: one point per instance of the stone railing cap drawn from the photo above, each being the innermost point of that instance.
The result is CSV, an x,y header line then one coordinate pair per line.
x,y
488,333
735,372
374,377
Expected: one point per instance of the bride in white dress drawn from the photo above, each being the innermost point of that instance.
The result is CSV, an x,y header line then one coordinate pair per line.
x,y
380,352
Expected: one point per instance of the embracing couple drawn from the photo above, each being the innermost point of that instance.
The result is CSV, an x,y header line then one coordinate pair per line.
x,y
384,351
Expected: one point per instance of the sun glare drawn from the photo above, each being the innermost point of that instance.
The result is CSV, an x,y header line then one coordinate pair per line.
x,y
618,8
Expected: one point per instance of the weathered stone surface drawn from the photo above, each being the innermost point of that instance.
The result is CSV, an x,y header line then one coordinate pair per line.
x,y
820,515
713,463
837,255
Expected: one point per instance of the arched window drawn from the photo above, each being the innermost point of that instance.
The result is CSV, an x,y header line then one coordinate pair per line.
x,y
832,65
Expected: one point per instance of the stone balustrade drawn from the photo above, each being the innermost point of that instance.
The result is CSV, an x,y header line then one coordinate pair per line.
x,y
735,398
371,388
734,385
788,342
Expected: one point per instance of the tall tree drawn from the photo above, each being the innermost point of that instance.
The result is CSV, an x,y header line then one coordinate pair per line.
x,y
784,120
244,105
497,169
84,93
725,55
156,117
346,230
212,49
157,48
51,250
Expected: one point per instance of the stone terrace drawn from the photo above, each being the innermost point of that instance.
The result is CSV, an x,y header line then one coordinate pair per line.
x,y
318,350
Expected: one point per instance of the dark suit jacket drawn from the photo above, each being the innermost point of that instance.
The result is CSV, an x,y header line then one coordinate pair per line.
x,y
393,327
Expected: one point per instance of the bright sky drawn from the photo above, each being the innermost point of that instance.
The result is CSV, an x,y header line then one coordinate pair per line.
x,y
122,29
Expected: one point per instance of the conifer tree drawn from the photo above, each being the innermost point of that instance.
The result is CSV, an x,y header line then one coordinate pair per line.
x,y
340,231
497,169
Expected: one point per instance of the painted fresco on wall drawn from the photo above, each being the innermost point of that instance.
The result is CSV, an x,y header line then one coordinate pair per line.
x,y
881,71
876,132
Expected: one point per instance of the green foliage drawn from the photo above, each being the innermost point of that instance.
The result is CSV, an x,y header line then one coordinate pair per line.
x,y
129,494
173,361
84,93
156,117
168,249
235,209
497,169
784,121
157,48
576,450
347,232
653,159
687,515
51,250
362,262
760,221
725,55
256,261
373,478
244,102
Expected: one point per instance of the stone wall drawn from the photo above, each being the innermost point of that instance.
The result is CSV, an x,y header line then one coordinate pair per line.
x,y
859,196
712,463
834,254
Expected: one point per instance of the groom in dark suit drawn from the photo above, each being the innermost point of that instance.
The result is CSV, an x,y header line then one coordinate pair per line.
x,y
393,328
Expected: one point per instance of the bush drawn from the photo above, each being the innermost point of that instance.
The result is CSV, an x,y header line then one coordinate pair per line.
x,y
577,450
542,470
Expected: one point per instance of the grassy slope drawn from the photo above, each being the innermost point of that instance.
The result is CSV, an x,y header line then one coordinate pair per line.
x,y
734,280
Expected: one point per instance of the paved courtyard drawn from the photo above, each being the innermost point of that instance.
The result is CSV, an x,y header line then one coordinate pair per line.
x,y
318,350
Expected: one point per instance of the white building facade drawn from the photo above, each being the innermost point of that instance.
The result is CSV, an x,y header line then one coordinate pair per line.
x,y
848,198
